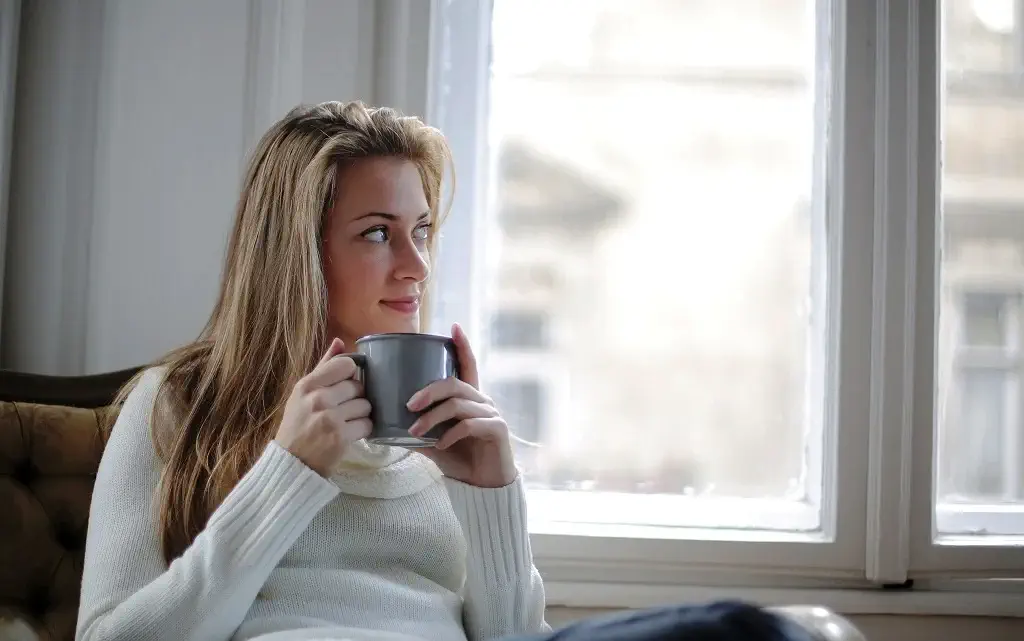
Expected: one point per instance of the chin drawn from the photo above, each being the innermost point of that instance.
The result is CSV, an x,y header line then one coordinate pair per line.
x,y
392,327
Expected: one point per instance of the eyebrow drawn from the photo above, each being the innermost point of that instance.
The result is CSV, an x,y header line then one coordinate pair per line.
x,y
388,216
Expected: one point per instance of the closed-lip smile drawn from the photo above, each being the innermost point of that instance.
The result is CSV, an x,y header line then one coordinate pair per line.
x,y
403,304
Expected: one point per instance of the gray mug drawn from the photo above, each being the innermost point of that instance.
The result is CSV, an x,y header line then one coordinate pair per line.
x,y
393,367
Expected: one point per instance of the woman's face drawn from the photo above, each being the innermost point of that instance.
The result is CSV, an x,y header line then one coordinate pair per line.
x,y
375,249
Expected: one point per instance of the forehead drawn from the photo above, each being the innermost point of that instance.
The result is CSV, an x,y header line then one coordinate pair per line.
x,y
382,185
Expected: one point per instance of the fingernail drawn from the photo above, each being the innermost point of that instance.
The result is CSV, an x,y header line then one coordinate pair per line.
x,y
415,401
456,329
415,428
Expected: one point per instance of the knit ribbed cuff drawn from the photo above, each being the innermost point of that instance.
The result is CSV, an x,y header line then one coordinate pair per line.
x,y
494,524
271,506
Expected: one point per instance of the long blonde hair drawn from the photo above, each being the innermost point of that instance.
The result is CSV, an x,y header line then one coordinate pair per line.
x,y
222,395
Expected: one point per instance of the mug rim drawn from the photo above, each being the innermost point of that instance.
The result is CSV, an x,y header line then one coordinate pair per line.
x,y
386,335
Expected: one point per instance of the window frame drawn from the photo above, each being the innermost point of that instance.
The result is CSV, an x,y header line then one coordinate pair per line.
x,y
882,202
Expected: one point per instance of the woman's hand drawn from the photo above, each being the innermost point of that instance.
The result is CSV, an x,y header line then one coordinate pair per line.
x,y
476,450
325,412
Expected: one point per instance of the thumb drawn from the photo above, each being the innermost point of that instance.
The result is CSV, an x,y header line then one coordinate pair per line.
x,y
336,347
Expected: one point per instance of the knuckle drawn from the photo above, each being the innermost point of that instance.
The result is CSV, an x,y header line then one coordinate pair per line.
x,y
320,422
319,401
307,404
301,388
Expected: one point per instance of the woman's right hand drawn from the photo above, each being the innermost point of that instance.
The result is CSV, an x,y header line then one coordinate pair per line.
x,y
325,412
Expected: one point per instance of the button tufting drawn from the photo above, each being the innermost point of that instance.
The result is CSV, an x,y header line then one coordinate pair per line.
x,y
67,539
23,473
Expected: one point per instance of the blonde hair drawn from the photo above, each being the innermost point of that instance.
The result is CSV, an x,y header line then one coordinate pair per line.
x,y
222,395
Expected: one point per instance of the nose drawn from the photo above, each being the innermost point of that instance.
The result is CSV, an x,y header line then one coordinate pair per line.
x,y
411,262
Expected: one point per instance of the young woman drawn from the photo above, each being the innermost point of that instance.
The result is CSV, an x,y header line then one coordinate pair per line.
x,y
236,498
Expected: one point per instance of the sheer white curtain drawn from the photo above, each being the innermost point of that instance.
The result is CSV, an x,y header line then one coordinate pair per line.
x,y
10,18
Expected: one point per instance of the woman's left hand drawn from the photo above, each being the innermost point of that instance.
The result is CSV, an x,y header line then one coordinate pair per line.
x,y
476,450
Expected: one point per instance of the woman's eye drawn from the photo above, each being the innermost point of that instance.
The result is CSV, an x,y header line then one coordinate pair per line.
x,y
421,233
376,235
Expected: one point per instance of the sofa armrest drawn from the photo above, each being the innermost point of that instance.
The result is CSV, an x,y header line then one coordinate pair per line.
x,y
822,623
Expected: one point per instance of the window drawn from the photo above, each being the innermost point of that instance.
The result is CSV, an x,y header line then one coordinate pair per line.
x,y
984,38
670,311
715,270
524,376
518,330
981,447
522,402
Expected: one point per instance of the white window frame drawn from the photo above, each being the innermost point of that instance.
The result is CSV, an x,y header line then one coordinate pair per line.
x,y
877,503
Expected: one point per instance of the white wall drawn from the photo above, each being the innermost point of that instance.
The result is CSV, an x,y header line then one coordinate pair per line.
x,y
132,118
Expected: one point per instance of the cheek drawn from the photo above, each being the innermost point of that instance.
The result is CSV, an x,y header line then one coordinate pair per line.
x,y
355,275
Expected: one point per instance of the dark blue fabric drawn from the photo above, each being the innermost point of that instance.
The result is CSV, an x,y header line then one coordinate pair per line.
x,y
716,621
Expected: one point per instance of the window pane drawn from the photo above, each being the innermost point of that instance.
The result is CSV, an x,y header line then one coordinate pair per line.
x,y
982,36
979,439
985,320
518,330
655,197
975,461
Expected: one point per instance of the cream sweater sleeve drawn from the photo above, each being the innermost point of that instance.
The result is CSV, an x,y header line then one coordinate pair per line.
x,y
503,594
129,592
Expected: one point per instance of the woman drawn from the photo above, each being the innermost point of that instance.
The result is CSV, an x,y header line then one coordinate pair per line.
x,y
236,497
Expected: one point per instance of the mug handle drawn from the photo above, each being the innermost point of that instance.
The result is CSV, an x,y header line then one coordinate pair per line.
x,y
359,360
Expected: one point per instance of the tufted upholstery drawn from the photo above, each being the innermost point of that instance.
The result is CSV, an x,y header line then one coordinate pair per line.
x,y
51,442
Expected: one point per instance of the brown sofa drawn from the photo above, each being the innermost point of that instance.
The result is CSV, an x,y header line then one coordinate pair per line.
x,y
50,448
51,441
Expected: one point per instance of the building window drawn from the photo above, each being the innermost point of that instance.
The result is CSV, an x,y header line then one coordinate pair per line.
x,y
981,447
984,38
522,403
517,329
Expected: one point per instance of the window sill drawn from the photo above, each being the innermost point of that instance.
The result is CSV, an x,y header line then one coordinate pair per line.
x,y
1006,603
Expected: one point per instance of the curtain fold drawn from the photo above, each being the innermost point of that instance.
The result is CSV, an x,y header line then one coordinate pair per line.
x,y
10,21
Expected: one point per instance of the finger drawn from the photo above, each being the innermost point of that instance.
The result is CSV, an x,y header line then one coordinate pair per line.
x,y
489,428
356,408
443,389
357,428
337,369
467,360
327,398
458,408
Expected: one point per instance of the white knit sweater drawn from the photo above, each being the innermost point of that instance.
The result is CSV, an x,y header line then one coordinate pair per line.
x,y
394,554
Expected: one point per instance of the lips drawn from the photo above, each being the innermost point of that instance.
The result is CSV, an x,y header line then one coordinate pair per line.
x,y
404,305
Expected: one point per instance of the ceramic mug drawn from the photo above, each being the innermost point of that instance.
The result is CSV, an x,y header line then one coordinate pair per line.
x,y
393,367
